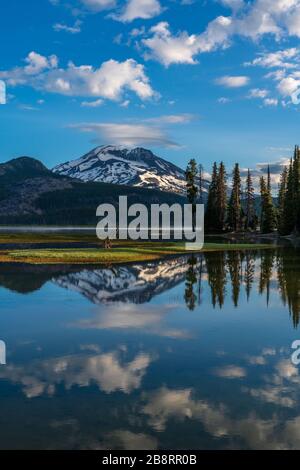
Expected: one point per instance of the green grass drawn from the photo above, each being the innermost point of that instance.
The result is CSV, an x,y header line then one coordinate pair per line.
x,y
133,252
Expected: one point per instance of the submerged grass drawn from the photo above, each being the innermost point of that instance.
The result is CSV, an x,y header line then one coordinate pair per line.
x,y
132,252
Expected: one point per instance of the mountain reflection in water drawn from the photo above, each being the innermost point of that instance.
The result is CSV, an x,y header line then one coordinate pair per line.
x,y
183,353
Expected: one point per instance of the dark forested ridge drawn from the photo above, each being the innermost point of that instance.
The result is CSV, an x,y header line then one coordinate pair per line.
x,y
32,194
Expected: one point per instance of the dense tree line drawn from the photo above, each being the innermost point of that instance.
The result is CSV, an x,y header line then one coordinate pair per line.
x,y
236,208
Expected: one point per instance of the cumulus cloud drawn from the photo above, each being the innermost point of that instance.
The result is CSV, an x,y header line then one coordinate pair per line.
x,y
134,9
286,75
282,58
233,81
109,81
280,18
182,48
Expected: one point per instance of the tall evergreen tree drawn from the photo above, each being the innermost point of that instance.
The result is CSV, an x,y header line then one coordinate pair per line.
x,y
211,213
191,185
235,206
201,171
250,222
221,199
263,192
296,177
289,211
268,212
281,201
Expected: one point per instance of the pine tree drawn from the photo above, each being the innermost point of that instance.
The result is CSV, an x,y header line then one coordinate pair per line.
x,y
191,186
289,211
235,206
221,201
296,177
281,201
211,213
250,223
191,175
263,192
268,212
201,199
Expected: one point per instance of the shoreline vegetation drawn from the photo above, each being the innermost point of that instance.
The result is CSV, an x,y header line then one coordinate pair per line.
x,y
121,252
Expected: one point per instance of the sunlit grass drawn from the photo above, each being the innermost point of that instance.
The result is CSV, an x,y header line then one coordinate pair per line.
x,y
118,254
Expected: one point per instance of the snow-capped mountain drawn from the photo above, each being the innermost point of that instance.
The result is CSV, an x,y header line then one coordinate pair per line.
x,y
118,165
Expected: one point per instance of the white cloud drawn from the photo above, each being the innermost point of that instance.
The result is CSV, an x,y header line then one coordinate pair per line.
x,y
125,104
109,81
106,370
287,86
258,93
223,100
172,119
92,104
182,47
278,18
230,372
169,49
129,135
75,29
152,131
282,58
99,5
287,73
123,439
2,92
233,81
271,102
134,9
235,5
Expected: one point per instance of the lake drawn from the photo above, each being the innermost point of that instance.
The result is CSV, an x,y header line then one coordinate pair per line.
x,y
190,352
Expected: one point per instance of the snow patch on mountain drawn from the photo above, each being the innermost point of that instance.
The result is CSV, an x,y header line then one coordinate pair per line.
x,y
118,165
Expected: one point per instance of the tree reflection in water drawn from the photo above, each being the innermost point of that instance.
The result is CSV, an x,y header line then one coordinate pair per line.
x,y
265,268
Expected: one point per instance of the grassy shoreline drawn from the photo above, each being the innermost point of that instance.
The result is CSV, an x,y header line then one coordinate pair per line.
x,y
131,252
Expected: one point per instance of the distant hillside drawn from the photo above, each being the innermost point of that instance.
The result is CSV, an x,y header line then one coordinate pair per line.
x,y
32,194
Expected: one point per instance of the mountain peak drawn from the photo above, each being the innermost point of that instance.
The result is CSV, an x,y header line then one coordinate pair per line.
x,y
119,165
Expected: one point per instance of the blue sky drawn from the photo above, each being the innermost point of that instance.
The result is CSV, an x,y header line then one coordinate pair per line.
x,y
208,79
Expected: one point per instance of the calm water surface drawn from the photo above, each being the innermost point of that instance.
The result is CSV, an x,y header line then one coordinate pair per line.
x,y
185,353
